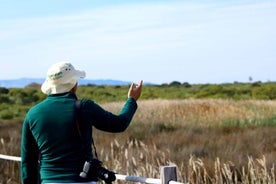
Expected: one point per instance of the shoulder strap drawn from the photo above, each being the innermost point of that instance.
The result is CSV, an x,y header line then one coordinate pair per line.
x,y
77,117
77,112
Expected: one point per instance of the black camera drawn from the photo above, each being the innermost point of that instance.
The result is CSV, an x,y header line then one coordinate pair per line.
x,y
93,168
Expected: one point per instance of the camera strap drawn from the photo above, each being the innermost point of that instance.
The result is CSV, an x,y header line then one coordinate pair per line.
x,y
77,120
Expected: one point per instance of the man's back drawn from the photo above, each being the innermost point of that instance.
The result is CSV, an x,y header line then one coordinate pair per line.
x,y
53,127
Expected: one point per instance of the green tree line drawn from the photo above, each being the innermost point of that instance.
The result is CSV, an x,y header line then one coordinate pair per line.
x,y
15,102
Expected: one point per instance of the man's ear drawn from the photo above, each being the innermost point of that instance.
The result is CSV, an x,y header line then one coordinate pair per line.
x,y
74,89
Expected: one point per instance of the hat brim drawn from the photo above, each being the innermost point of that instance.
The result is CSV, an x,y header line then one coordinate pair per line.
x,y
80,74
49,87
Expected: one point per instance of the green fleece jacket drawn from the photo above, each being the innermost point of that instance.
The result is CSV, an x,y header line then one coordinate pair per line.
x,y
51,145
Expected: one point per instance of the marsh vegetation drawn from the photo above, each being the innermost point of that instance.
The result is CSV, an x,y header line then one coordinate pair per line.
x,y
210,140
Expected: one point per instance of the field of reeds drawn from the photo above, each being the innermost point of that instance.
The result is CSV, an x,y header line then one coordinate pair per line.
x,y
209,140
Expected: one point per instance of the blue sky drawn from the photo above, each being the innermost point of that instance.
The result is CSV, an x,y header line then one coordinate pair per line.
x,y
204,41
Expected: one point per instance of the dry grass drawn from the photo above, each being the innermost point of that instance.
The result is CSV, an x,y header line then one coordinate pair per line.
x,y
10,145
210,141
136,158
204,112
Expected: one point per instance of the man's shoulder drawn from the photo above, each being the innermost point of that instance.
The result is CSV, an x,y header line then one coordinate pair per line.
x,y
36,107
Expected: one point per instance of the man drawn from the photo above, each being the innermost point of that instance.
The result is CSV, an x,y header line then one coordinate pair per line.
x,y
57,137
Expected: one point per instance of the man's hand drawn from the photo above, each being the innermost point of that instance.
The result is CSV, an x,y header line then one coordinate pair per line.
x,y
135,90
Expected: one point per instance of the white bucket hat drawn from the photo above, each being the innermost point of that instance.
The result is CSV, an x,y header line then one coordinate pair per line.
x,y
61,77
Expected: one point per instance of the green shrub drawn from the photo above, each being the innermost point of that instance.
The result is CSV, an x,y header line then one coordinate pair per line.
x,y
6,114
265,91
26,97
4,98
4,90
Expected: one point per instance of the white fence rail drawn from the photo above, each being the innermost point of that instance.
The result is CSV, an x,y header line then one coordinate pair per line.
x,y
138,179
7,157
167,174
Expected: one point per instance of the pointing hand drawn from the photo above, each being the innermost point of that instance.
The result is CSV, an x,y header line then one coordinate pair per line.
x,y
135,90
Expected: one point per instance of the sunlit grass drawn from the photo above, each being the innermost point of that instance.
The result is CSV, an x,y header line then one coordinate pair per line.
x,y
210,141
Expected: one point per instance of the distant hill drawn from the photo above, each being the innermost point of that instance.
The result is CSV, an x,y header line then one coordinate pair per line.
x,y
23,82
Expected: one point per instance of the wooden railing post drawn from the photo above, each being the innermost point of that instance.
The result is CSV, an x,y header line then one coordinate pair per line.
x,y
167,174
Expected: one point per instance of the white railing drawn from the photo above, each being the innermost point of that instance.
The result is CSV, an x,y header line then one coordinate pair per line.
x,y
7,157
167,174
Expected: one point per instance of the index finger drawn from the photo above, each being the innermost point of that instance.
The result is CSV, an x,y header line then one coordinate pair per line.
x,y
140,83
